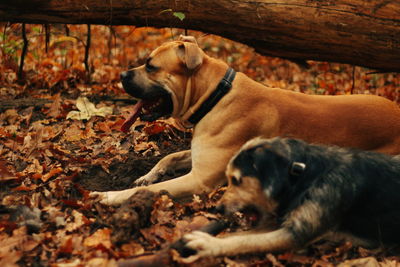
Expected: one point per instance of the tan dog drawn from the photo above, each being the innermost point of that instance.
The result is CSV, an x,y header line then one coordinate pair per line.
x,y
179,77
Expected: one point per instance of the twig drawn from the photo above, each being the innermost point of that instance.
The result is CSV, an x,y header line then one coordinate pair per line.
x,y
66,30
354,81
111,12
87,47
381,72
110,42
3,40
47,33
5,31
24,50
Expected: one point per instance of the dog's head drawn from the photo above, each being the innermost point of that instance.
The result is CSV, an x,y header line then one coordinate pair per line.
x,y
257,177
160,84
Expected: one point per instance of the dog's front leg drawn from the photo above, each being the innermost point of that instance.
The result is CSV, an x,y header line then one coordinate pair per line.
x,y
207,245
168,164
183,186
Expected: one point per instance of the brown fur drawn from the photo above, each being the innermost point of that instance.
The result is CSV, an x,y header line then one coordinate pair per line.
x,y
251,109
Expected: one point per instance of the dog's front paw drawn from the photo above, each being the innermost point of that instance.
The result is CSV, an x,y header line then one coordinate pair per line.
x,y
150,178
145,180
112,197
204,244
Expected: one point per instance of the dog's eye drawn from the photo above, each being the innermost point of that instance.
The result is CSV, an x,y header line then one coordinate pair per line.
x,y
150,68
236,181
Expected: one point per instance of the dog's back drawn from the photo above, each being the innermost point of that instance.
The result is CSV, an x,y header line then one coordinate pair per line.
x,y
358,192
375,212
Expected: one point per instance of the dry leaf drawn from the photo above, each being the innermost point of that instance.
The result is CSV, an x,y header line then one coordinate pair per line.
x,y
55,107
88,110
132,249
78,221
51,173
5,173
100,238
363,262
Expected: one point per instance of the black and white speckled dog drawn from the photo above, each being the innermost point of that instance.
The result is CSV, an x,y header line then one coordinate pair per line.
x,y
312,191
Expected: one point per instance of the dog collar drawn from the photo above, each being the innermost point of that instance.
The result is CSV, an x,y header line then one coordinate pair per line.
x,y
222,88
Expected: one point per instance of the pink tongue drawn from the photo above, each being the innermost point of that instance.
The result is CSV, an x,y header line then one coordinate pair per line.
x,y
132,117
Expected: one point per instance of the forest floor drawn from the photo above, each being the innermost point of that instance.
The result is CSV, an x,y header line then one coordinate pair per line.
x,y
60,139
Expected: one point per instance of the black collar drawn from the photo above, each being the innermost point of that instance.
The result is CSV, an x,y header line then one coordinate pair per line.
x,y
223,87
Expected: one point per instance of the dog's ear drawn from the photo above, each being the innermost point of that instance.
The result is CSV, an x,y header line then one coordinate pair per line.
x,y
185,38
190,54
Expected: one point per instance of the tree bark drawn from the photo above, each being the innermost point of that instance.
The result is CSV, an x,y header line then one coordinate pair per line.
x,y
359,32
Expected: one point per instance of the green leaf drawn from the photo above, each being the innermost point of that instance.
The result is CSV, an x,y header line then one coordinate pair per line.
x,y
179,15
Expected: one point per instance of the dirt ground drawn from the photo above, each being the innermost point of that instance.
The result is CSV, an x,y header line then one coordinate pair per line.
x,y
123,174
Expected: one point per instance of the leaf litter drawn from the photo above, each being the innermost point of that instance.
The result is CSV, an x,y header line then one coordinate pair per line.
x,y
52,155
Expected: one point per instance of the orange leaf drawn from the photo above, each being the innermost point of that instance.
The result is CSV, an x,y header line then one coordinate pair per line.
x,y
155,128
51,173
25,188
67,246
37,176
102,126
117,124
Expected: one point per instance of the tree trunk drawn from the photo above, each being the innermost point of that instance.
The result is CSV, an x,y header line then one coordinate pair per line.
x,y
359,32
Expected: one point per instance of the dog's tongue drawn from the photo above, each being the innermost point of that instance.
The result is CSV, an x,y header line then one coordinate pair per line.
x,y
132,117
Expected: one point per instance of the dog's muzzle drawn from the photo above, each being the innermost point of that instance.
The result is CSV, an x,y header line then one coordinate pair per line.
x,y
126,79
126,75
154,101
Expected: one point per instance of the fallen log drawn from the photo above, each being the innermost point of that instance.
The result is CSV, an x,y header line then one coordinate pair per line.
x,y
359,32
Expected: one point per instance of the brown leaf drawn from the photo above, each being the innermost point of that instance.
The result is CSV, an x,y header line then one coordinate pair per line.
x,y
77,221
10,259
131,249
19,241
55,107
34,139
5,173
72,133
100,238
363,262
103,126
157,234
66,246
34,167
274,260
101,262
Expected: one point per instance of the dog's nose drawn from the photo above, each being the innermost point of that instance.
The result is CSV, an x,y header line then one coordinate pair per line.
x,y
126,75
220,208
